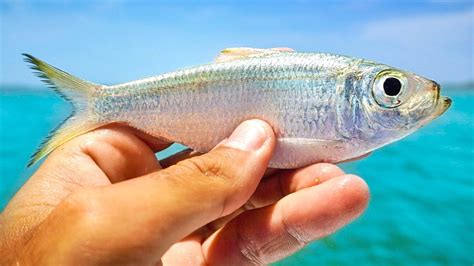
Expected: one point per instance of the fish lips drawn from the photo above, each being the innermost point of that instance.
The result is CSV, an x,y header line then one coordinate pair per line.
x,y
443,102
443,105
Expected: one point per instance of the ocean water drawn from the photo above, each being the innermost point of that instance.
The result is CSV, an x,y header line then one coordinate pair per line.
x,y
422,206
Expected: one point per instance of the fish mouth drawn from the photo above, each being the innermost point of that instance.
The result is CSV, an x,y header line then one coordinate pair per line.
x,y
443,102
443,105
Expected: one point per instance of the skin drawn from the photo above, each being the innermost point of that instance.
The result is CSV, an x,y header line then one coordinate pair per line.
x,y
103,198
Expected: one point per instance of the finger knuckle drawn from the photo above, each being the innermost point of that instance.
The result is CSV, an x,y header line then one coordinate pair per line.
x,y
218,168
249,249
295,234
83,209
269,249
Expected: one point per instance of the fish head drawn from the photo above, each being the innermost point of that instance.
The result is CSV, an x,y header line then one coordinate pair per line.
x,y
395,103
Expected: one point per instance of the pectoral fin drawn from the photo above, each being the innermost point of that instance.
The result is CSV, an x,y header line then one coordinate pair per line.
x,y
231,54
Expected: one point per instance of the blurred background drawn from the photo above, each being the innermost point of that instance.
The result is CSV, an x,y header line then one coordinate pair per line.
x,y
422,206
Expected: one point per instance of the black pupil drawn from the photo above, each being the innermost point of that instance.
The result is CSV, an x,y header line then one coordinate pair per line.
x,y
392,86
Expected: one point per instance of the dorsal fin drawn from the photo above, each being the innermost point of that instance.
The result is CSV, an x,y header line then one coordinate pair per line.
x,y
231,54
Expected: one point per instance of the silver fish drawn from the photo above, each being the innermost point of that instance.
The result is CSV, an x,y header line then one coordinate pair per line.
x,y
322,107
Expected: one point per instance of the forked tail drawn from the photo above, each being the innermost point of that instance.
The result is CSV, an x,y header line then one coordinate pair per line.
x,y
75,91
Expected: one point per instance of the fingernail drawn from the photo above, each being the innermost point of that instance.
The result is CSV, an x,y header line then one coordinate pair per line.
x,y
250,135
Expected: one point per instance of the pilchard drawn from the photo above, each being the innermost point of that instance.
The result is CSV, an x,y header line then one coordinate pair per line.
x,y
322,107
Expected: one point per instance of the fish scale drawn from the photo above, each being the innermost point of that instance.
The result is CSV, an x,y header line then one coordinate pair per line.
x,y
322,107
282,92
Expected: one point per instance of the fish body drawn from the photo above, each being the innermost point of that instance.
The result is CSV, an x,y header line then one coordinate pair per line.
x,y
322,107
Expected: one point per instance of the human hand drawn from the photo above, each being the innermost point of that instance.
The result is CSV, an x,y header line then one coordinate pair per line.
x,y
103,198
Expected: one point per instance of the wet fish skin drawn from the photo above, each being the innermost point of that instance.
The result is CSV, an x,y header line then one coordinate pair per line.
x,y
321,106
314,102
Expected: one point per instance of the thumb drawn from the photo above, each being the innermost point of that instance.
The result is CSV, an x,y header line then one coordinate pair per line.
x,y
159,209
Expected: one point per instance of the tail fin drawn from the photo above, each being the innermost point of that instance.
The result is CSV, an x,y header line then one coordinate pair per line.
x,y
74,90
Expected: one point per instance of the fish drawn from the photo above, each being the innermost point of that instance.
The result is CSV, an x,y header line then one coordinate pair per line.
x,y
322,107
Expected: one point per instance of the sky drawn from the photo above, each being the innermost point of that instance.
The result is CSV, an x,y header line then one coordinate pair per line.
x,y
110,42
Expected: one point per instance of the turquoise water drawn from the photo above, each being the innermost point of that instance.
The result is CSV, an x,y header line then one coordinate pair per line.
x,y
422,206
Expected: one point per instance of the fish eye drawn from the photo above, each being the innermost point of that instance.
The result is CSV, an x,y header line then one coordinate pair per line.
x,y
389,88
392,86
